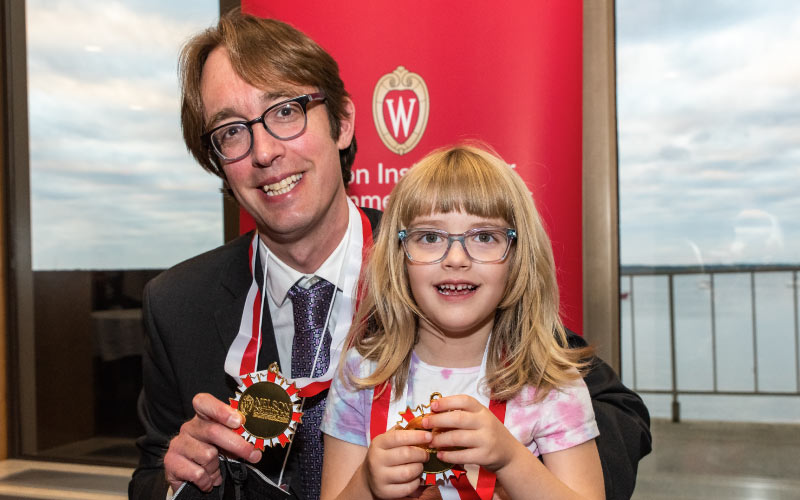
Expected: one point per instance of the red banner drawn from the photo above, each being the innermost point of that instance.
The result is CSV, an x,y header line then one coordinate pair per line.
x,y
426,74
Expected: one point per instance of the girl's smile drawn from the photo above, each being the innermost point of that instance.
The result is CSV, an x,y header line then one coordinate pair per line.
x,y
456,288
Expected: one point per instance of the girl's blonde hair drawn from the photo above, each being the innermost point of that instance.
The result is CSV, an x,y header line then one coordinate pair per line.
x,y
528,344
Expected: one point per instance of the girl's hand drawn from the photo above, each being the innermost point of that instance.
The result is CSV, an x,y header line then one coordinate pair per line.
x,y
425,493
394,463
469,425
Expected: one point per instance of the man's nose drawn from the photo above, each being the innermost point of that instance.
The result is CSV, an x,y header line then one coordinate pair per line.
x,y
266,147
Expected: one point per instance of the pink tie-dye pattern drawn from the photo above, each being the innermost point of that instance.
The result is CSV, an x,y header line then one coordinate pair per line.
x,y
571,416
520,410
564,418
557,422
351,420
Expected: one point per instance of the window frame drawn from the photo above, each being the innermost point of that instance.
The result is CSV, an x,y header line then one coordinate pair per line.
x,y
601,308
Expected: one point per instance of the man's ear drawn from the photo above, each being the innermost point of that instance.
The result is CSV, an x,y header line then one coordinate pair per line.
x,y
347,124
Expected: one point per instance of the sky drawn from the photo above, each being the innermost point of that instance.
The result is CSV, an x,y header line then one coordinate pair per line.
x,y
112,185
708,97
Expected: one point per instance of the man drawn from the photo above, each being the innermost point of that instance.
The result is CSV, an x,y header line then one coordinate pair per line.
x,y
264,108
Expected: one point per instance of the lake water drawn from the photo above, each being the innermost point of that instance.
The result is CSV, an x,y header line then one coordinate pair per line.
x,y
766,361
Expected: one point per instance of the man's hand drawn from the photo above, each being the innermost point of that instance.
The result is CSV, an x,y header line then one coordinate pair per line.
x,y
193,453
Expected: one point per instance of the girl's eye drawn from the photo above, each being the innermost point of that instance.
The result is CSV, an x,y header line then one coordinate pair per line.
x,y
429,238
485,238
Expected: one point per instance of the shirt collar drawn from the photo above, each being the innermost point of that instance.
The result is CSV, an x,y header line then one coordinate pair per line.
x,y
281,277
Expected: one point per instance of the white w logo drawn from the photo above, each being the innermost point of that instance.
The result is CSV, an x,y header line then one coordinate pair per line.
x,y
399,115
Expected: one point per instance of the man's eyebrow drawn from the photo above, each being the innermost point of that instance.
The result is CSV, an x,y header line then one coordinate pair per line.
x,y
275,94
267,98
219,116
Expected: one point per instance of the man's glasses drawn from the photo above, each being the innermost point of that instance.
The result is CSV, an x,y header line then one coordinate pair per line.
x,y
483,245
284,120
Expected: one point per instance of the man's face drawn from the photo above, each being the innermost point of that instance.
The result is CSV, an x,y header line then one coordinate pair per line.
x,y
291,188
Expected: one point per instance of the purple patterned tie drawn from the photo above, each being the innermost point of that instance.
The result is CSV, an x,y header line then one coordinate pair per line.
x,y
310,312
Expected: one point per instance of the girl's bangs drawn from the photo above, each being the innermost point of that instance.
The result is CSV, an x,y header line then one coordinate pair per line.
x,y
459,180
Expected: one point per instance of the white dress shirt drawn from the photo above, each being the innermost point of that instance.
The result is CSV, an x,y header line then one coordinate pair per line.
x,y
281,277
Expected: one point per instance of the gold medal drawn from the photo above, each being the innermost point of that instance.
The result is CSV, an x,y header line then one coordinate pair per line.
x,y
434,468
270,407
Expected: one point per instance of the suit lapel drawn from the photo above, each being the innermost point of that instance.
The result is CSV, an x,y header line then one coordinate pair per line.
x,y
235,282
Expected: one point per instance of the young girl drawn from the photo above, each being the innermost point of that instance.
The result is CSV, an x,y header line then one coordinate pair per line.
x,y
459,325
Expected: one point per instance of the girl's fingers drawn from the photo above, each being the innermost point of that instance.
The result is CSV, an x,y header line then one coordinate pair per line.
x,y
456,438
458,402
461,411
466,456
404,474
398,438
395,480
405,455
454,419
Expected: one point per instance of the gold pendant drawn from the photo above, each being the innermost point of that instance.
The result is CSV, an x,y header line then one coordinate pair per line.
x,y
270,407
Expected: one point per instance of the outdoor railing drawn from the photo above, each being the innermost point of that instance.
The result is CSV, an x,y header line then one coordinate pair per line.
x,y
628,275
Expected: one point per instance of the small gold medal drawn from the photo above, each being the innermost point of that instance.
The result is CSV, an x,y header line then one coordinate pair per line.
x,y
434,468
270,407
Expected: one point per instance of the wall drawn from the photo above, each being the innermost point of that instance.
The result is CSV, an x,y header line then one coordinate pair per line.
x,y
64,350
511,78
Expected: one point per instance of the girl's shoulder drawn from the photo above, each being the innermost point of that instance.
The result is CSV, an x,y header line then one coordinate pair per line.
x,y
356,364
563,418
575,390
352,355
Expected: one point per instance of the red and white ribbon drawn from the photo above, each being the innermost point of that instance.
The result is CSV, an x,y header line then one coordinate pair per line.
x,y
242,357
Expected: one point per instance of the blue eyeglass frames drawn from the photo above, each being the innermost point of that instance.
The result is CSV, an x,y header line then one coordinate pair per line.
x,y
483,245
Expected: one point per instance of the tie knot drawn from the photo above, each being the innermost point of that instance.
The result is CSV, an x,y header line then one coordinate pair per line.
x,y
311,304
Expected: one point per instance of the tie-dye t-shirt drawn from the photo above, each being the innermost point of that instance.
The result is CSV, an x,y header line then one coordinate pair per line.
x,y
561,420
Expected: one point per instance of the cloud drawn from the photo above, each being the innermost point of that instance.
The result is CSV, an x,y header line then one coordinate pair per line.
x,y
709,114
112,185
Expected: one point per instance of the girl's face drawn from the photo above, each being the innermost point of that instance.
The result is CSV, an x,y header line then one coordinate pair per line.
x,y
458,295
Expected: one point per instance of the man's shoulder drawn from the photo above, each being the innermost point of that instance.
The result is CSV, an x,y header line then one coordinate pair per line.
x,y
373,215
204,269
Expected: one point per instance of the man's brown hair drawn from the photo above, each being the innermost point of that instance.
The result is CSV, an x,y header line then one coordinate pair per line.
x,y
263,52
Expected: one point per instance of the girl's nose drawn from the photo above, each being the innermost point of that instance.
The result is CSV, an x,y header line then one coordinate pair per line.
x,y
457,255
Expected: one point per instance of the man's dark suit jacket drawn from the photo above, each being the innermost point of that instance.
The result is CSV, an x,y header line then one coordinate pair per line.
x,y
192,313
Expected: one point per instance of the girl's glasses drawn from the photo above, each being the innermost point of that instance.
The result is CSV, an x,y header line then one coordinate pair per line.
x,y
483,245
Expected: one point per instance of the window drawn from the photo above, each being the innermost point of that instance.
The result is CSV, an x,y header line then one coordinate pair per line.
x,y
708,106
114,199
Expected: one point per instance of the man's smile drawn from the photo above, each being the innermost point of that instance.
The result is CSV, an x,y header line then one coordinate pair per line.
x,y
283,186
